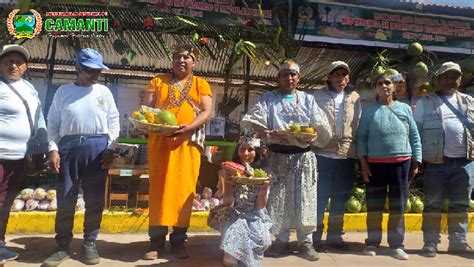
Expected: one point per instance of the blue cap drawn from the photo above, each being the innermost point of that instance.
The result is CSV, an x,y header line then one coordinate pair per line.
x,y
90,58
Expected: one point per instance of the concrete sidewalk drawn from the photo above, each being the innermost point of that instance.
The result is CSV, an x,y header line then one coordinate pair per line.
x,y
127,249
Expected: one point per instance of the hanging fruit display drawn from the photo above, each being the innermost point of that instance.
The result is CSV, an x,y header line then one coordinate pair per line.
x,y
117,23
148,23
195,36
251,22
203,41
420,69
415,49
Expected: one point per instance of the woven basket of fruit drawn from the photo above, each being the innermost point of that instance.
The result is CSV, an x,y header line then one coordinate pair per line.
x,y
243,175
160,129
305,137
298,134
249,180
161,122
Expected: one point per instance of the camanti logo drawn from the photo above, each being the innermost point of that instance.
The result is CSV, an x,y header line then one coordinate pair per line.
x,y
26,25
76,24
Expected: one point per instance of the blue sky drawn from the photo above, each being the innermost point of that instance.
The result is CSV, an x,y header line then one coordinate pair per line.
x,y
467,3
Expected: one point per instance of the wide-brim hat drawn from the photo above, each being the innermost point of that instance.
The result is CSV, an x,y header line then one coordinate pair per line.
x,y
15,48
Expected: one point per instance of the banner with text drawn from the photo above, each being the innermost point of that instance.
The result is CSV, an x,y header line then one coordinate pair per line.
x,y
216,11
346,24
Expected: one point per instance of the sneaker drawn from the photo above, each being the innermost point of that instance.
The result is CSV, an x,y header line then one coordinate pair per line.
x,y
278,249
153,253
370,250
307,252
341,245
429,250
179,251
399,254
228,260
90,254
7,254
460,248
59,256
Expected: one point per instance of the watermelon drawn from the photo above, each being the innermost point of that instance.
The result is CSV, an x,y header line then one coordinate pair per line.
x,y
417,206
353,205
359,190
415,49
391,71
408,207
420,69
377,71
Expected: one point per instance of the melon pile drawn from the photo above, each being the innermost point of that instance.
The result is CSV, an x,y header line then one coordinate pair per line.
x,y
357,202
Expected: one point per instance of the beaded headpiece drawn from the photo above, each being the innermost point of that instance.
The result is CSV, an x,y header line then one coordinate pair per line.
x,y
187,50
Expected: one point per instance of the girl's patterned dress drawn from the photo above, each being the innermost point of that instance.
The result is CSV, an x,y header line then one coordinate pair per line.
x,y
246,235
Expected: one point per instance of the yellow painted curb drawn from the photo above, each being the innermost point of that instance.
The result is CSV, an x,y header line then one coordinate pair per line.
x,y
127,222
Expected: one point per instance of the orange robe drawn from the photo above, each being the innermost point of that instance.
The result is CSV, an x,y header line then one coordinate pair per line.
x,y
174,162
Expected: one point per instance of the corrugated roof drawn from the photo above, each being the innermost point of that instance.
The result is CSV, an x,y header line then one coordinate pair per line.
x,y
313,61
151,58
429,3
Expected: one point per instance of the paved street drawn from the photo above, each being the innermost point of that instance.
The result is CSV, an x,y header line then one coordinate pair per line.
x,y
127,249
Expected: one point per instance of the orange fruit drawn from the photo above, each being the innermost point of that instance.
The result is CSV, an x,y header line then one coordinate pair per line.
x,y
309,130
423,91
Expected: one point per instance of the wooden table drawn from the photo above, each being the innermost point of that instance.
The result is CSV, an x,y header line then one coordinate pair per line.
x,y
122,172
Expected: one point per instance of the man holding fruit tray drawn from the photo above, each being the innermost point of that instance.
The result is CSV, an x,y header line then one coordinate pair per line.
x,y
285,118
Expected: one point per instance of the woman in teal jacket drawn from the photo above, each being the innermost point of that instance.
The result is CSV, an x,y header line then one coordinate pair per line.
x,y
389,148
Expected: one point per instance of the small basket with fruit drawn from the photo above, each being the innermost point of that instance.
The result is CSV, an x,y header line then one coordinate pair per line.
x,y
294,133
161,122
239,174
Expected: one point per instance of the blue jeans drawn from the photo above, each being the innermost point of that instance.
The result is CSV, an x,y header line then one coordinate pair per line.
x,y
395,177
449,180
80,168
335,180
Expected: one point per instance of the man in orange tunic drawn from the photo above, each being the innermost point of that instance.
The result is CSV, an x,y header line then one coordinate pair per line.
x,y
174,162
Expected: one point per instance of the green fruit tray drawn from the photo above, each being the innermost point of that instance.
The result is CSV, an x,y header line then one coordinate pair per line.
x,y
160,129
248,180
